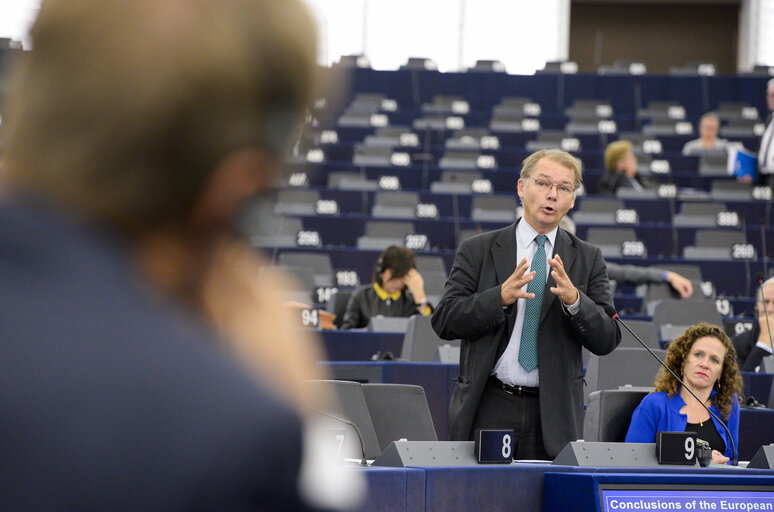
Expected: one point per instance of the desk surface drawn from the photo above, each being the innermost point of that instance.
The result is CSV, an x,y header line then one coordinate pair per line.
x,y
518,486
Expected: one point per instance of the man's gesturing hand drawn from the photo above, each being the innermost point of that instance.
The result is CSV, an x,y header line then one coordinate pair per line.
x,y
510,290
564,288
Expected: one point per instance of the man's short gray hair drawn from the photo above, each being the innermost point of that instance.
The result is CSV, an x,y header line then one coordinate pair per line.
x,y
562,158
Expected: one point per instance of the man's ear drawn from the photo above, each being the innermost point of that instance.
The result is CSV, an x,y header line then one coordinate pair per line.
x,y
237,177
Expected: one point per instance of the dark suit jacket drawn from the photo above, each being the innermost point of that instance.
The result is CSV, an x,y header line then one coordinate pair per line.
x,y
112,398
470,308
748,355
612,181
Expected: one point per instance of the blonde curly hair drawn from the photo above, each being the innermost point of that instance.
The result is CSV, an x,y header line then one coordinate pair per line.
x,y
729,383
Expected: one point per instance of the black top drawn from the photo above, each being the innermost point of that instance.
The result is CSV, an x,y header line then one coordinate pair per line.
x,y
365,303
612,181
707,432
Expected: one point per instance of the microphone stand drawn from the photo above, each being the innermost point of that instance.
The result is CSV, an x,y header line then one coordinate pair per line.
x,y
722,423
363,460
747,271
763,245
672,213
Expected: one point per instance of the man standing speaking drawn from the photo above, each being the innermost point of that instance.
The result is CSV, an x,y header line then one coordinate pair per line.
x,y
524,300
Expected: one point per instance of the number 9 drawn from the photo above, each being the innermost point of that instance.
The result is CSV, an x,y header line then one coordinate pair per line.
x,y
689,448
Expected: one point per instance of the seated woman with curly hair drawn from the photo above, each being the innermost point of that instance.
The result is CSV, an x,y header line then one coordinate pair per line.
x,y
705,359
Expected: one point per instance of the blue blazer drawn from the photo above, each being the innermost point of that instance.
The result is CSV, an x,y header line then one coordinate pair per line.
x,y
657,412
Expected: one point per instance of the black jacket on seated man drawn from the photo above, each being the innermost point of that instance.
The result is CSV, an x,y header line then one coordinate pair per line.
x,y
749,354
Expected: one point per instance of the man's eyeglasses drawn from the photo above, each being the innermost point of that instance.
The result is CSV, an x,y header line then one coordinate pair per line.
x,y
546,186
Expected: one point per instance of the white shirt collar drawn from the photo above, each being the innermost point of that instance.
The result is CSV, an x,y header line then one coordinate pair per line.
x,y
526,233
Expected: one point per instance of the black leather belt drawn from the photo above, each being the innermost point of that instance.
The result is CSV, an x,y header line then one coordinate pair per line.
x,y
514,390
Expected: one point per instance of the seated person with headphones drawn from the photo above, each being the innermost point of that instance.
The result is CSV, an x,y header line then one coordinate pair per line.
x,y
397,290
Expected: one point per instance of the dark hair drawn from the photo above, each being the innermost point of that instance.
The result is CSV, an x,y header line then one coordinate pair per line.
x,y
398,259
729,383
128,131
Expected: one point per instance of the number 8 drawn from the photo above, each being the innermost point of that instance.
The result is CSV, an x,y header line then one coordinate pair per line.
x,y
506,446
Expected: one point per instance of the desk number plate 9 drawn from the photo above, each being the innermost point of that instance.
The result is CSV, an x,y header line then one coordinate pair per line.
x,y
677,448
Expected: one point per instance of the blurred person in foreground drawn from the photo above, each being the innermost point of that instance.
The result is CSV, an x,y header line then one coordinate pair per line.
x,y
708,141
139,358
621,166
704,357
397,290
753,345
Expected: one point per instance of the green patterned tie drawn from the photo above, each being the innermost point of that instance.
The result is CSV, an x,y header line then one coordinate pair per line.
x,y
528,357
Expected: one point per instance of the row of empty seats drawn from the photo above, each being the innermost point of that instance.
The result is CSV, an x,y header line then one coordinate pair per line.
x,y
619,67
684,185
616,241
696,212
520,114
554,93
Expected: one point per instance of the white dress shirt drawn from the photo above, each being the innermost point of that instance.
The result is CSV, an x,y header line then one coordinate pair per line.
x,y
508,369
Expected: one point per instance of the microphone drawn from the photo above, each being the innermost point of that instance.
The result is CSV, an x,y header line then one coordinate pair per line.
x,y
672,212
363,461
614,315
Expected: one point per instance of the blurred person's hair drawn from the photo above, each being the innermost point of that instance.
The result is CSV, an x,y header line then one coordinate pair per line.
x,y
709,115
615,152
122,109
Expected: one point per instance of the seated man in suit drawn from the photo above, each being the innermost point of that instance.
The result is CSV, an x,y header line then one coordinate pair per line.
x,y
397,290
753,345
131,134
621,165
